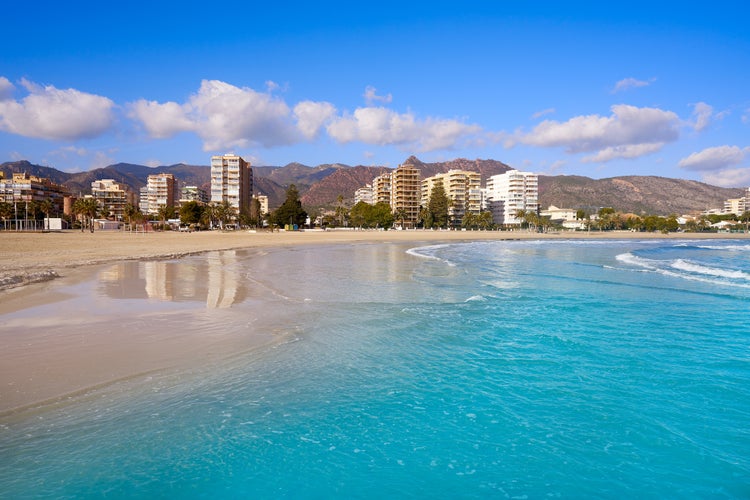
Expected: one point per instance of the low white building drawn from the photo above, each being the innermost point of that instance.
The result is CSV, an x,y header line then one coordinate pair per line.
x,y
563,216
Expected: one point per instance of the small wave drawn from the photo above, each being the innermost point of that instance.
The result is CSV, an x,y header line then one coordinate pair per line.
x,y
476,298
730,248
692,267
425,253
683,269
634,260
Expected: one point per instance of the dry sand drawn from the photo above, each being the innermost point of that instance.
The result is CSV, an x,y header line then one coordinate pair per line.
x,y
47,362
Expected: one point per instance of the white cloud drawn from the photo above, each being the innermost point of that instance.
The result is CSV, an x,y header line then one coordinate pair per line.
x,y
6,89
733,177
311,116
628,133
223,116
542,113
51,113
630,83
381,126
626,152
372,97
162,120
702,113
67,151
715,158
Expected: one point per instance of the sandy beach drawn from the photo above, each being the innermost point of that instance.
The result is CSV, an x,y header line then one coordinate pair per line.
x,y
45,360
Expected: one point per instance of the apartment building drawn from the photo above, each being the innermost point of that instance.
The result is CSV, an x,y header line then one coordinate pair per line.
x,y
231,181
381,189
193,193
406,195
509,192
112,196
23,188
364,194
161,191
463,189
263,200
737,206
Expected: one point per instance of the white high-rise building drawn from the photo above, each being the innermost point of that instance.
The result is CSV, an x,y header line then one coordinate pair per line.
x,y
161,191
510,192
231,181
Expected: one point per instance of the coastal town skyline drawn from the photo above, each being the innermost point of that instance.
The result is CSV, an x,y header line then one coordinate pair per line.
x,y
575,89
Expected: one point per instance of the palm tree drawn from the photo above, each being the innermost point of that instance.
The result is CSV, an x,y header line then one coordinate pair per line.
x,y
46,206
130,212
6,211
87,208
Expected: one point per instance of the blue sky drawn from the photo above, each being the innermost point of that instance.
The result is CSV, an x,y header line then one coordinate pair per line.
x,y
575,88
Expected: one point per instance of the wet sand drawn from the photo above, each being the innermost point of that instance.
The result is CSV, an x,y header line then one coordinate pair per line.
x,y
48,354
37,252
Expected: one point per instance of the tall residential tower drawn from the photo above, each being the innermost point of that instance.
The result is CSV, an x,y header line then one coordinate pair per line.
x,y
231,181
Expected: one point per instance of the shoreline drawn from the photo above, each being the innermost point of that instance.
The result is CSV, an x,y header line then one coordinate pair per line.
x,y
27,258
41,364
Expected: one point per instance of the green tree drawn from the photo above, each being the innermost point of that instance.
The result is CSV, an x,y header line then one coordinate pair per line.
x,y
224,213
437,207
400,215
580,214
382,215
6,212
191,212
130,212
255,216
291,211
165,212
521,216
360,214
340,211
86,208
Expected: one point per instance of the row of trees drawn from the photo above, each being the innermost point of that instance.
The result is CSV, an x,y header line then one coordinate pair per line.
x,y
436,214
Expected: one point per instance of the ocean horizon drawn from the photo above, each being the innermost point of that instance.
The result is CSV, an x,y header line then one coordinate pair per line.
x,y
488,369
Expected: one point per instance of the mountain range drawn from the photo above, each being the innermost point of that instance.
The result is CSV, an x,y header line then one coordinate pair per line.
x,y
321,186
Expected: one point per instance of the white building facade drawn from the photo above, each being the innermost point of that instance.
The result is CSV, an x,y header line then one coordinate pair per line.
x,y
509,192
231,181
364,194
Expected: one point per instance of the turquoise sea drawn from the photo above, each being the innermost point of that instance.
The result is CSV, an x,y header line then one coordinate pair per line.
x,y
508,369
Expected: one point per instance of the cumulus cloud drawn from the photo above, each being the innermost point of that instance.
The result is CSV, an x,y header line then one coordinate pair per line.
x,y
626,152
372,97
732,177
630,83
222,115
311,116
162,120
702,114
382,126
715,158
6,88
629,132
51,113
